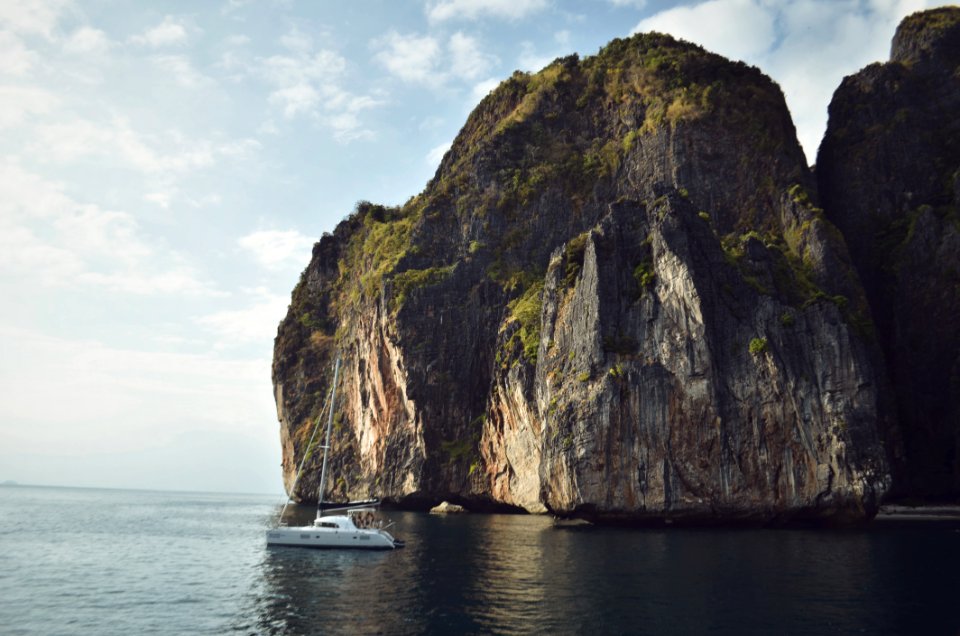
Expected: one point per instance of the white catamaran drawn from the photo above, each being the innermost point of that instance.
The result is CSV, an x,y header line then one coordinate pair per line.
x,y
353,526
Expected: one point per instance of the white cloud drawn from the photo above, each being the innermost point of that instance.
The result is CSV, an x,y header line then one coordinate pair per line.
x,y
33,17
180,281
235,63
296,100
237,40
255,323
163,160
51,257
468,61
23,253
436,153
423,59
234,5
170,32
18,102
52,240
165,155
442,10
69,141
636,4
738,29
412,58
204,201
181,68
308,83
286,70
240,148
268,127
15,57
99,234
86,40
275,249
346,127
161,199
297,42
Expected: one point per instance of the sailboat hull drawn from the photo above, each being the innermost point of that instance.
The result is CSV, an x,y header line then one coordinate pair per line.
x,y
312,537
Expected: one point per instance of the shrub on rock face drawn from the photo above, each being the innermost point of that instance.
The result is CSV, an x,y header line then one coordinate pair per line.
x,y
758,346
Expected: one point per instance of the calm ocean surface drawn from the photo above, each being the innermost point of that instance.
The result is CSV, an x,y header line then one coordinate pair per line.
x,y
78,561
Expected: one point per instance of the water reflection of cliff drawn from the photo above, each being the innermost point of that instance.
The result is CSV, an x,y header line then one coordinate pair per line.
x,y
517,574
457,574
513,554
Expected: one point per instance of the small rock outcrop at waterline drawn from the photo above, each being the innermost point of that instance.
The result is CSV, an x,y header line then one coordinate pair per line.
x,y
617,298
447,508
889,177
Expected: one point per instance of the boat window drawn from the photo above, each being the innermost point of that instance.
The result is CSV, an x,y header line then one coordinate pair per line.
x,y
327,524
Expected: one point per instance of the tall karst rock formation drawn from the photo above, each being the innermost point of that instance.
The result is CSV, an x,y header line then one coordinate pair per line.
x,y
889,176
617,297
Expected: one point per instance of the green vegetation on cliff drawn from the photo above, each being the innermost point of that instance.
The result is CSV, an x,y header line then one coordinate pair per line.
x,y
540,136
380,241
525,311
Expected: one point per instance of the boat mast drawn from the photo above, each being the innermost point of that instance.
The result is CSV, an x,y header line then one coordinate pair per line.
x,y
306,455
326,445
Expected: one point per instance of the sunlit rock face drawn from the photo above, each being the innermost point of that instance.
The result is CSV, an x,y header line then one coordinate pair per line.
x,y
617,298
889,175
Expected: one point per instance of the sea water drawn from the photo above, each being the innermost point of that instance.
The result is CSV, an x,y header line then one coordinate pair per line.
x,y
79,561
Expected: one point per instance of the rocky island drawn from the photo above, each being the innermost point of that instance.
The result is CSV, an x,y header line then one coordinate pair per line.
x,y
889,176
625,296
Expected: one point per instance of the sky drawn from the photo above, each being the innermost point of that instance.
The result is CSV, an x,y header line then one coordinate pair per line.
x,y
165,168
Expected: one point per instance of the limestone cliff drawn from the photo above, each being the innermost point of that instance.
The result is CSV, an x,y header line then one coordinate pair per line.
x,y
889,174
617,297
